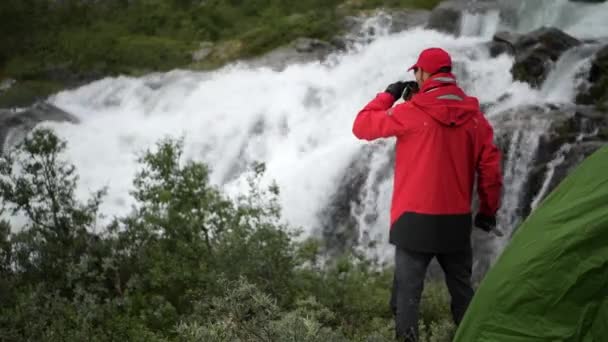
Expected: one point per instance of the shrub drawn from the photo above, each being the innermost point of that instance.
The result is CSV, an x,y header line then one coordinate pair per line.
x,y
187,264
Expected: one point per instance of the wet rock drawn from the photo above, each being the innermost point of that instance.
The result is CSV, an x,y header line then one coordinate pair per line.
x,y
301,50
367,26
65,75
595,91
569,134
402,20
503,42
204,50
15,125
6,84
447,17
536,53
338,224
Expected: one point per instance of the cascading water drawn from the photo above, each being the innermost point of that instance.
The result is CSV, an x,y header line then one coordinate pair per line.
x,y
298,121
582,20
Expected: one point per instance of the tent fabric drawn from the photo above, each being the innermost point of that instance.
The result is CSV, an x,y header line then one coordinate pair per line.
x,y
551,281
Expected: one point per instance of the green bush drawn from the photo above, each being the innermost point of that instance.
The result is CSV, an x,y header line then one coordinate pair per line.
x,y
187,264
25,92
86,34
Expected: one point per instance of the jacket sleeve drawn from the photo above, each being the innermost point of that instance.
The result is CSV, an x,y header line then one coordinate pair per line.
x,y
376,120
489,174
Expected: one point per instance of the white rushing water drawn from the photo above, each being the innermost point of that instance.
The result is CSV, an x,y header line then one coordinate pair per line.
x,y
298,121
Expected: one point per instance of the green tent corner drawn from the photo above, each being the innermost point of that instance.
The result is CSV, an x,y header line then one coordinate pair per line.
x,y
551,281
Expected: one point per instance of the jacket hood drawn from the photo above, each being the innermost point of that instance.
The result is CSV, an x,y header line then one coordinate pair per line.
x,y
441,98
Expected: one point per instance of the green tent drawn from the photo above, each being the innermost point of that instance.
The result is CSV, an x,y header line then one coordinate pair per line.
x,y
551,281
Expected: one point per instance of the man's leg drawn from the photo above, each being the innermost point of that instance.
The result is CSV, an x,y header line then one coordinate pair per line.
x,y
410,270
457,268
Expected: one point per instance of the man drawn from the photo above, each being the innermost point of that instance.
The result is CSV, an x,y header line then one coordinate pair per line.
x,y
443,141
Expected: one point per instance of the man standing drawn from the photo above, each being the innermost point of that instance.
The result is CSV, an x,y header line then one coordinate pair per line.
x,y
443,141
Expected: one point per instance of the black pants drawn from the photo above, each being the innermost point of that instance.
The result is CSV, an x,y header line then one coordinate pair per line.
x,y
410,271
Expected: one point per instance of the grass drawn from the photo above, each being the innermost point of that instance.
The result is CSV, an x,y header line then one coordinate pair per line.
x,y
23,93
130,37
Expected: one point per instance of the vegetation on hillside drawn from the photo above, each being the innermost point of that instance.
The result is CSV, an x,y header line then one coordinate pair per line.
x,y
47,44
188,263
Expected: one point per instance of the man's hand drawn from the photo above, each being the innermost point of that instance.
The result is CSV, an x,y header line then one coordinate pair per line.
x,y
411,88
487,223
396,89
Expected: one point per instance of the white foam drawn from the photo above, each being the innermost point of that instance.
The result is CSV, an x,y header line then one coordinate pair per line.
x,y
298,121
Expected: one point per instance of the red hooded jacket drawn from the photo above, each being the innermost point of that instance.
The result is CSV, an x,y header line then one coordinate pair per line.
x,y
443,141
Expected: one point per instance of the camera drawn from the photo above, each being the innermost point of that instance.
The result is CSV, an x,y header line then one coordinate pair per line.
x,y
411,88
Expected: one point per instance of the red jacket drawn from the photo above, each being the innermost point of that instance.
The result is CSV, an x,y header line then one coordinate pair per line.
x,y
443,141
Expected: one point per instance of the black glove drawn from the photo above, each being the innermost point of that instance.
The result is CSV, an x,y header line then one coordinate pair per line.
x,y
396,89
487,223
411,88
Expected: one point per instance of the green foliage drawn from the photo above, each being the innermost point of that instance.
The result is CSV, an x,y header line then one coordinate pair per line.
x,y
244,313
367,4
187,264
70,41
23,93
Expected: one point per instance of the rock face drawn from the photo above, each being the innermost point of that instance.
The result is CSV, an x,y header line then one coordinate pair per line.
x,y
569,134
563,136
300,50
361,29
503,42
447,17
15,125
341,217
365,27
536,52
596,90
6,84
204,50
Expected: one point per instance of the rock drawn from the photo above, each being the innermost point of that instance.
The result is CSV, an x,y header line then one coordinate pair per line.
x,y
536,53
6,84
595,91
402,20
503,42
589,1
365,27
447,17
204,50
339,227
566,135
301,50
64,74
15,125
312,46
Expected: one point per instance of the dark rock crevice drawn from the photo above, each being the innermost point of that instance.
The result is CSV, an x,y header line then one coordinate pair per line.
x,y
15,125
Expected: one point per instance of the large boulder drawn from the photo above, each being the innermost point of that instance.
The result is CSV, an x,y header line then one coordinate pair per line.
x,y
14,125
503,42
595,91
366,26
447,16
537,52
301,50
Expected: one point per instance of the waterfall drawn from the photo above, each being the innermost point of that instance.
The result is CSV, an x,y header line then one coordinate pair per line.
x,y
298,120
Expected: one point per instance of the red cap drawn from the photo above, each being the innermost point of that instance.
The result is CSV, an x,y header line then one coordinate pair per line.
x,y
433,59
